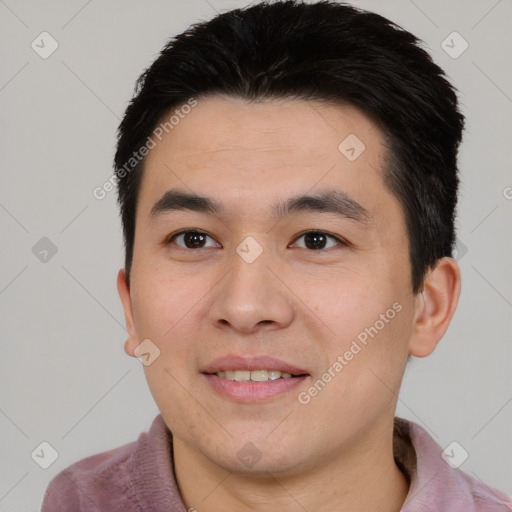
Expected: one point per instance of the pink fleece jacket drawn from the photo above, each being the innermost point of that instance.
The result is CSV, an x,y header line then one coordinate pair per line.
x,y
139,477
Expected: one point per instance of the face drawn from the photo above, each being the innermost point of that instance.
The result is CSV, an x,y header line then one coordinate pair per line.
x,y
318,288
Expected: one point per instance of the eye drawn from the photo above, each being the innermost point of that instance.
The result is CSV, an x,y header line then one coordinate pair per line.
x,y
316,240
191,239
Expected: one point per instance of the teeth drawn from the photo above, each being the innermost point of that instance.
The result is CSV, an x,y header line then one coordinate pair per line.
x,y
255,375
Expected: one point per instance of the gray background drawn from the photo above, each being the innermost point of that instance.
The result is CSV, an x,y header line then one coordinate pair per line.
x,y
64,377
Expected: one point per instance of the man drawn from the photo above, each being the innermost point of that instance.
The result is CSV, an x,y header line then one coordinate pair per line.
x,y
287,181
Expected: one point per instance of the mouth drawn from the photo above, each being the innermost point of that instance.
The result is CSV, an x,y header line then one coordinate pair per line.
x,y
255,375
248,379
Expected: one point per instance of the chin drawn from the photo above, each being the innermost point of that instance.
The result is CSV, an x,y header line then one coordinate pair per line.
x,y
257,458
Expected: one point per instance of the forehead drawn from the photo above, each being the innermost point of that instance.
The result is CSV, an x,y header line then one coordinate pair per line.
x,y
231,147
223,123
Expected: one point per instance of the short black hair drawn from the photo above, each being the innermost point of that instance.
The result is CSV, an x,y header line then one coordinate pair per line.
x,y
326,51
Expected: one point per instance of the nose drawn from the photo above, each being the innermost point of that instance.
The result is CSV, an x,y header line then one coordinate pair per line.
x,y
253,296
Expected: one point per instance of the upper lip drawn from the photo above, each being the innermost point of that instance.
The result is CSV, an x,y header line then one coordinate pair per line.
x,y
237,362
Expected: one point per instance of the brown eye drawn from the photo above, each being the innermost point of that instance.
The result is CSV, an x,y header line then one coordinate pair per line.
x,y
317,240
191,239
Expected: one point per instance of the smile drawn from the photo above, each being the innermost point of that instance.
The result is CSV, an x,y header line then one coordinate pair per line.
x,y
253,376
250,378
255,386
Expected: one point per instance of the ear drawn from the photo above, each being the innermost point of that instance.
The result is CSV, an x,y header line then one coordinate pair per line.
x,y
124,293
435,306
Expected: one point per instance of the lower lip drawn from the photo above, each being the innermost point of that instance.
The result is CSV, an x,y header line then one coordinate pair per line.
x,y
247,392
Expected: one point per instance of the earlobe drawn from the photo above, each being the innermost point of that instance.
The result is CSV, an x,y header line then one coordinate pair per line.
x,y
435,307
124,294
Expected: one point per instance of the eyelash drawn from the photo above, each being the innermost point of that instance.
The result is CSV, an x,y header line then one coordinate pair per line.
x,y
341,241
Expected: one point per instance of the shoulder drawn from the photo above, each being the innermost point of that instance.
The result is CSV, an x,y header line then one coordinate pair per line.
x,y
484,497
136,476
437,482
91,482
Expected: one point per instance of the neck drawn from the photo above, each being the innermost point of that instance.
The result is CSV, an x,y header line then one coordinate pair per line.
x,y
363,478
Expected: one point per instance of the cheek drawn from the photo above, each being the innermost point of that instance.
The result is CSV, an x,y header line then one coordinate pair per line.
x,y
164,303
365,369
174,397
370,323
346,301
374,354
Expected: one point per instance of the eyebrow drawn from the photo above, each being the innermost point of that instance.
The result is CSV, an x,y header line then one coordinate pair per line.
x,y
328,201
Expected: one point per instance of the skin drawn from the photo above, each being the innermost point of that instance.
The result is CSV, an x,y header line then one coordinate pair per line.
x,y
302,305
